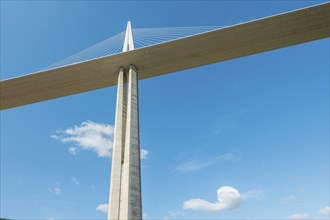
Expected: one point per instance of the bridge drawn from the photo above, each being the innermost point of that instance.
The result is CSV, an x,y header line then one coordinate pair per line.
x,y
126,68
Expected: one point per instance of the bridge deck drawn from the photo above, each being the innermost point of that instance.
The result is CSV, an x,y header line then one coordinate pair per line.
x,y
240,40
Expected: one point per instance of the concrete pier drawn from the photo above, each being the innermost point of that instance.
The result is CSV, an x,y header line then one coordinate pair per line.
x,y
125,192
118,147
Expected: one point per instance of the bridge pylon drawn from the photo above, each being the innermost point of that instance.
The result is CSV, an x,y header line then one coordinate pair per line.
x,y
125,188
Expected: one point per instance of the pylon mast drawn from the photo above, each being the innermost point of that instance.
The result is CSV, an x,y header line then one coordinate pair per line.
x,y
125,188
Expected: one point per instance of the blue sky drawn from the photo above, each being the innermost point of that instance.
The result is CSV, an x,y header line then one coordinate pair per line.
x,y
256,127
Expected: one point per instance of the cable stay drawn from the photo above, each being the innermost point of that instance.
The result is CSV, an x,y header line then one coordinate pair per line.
x,y
143,37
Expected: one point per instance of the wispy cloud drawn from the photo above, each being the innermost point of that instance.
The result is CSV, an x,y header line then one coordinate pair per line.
x,y
102,208
325,211
175,213
56,191
144,153
228,198
92,136
75,181
194,165
290,199
73,150
227,122
299,216
254,194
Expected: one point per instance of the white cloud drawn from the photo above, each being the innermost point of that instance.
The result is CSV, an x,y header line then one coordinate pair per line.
x,y
89,135
75,181
325,211
228,197
175,213
56,191
73,150
144,153
299,216
102,208
191,166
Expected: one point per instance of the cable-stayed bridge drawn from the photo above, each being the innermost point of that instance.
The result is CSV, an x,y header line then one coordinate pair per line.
x,y
142,53
142,37
214,46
